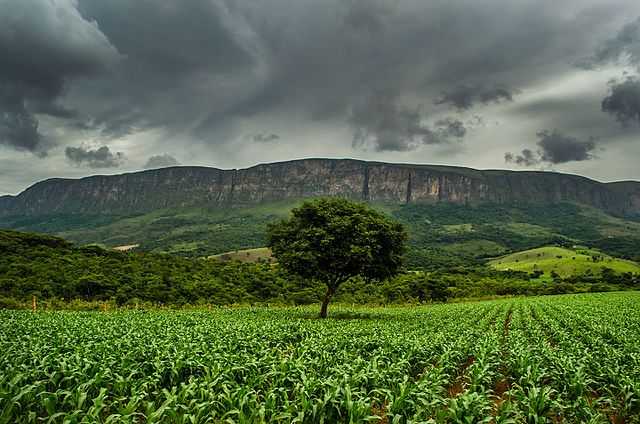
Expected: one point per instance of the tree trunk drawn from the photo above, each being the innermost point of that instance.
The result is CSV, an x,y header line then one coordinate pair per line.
x,y
327,298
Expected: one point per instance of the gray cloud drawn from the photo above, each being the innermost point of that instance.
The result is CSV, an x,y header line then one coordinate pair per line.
x,y
451,127
464,97
624,46
367,16
265,138
43,45
18,126
182,63
555,147
623,101
200,67
390,125
525,158
101,157
382,119
410,51
161,161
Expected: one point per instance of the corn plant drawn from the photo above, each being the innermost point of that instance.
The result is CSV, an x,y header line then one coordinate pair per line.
x,y
574,358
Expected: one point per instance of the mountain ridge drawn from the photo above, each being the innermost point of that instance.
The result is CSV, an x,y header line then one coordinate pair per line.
x,y
435,167
393,183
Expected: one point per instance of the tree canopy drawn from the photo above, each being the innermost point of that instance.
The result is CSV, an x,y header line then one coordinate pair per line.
x,y
66,276
333,240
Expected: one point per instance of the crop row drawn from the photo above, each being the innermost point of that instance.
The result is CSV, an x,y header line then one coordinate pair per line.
x,y
575,358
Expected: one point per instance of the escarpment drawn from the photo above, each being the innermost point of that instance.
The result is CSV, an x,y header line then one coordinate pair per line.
x,y
211,188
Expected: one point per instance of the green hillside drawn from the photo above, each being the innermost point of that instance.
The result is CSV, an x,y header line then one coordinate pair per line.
x,y
445,234
63,275
565,262
441,235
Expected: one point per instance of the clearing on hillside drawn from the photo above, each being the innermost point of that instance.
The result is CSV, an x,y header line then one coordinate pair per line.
x,y
566,262
261,254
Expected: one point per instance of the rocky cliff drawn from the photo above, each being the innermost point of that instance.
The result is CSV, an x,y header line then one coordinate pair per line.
x,y
211,188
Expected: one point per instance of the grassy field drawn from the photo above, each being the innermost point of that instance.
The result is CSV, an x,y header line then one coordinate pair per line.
x,y
247,255
565,262
567,358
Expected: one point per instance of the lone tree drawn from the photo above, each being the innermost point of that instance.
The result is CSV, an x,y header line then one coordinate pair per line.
x,y
332,240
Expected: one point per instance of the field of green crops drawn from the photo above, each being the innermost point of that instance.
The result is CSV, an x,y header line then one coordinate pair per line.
x,y
573,358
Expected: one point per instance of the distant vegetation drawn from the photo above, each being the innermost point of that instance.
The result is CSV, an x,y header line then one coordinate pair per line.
x,y
446,234
441,235
63,275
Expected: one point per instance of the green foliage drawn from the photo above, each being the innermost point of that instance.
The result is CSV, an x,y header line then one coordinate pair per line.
x,y
53,268
333,240
336,239
192,233
531,360
449,235
440,234
62,275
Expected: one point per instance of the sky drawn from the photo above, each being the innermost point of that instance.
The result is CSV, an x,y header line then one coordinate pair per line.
x,y
104,87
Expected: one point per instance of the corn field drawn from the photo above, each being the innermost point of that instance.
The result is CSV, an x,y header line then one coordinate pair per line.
x,y
573,358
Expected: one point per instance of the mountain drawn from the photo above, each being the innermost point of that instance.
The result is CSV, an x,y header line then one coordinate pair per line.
x,y
211,188
455,216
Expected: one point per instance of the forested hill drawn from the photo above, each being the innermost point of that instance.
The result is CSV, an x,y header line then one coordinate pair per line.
x,y
61,274
376,182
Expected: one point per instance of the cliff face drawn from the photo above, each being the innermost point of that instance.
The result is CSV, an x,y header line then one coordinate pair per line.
x,y
187,187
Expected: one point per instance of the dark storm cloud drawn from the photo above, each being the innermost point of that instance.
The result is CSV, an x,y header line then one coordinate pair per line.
x,y
320,58
118,123
390,125
161,161
43,46
101,157
555,147
176,39
623,101
625,46
55,110
18,126
382,119
463,97
182,61
201,69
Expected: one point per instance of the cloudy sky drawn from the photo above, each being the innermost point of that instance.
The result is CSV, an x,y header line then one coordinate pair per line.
x,y
95,86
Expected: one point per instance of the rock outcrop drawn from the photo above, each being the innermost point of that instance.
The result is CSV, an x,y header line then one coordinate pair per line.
x,y
215,189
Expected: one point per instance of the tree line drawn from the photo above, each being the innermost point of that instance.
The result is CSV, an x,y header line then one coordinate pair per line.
x,y
54,269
